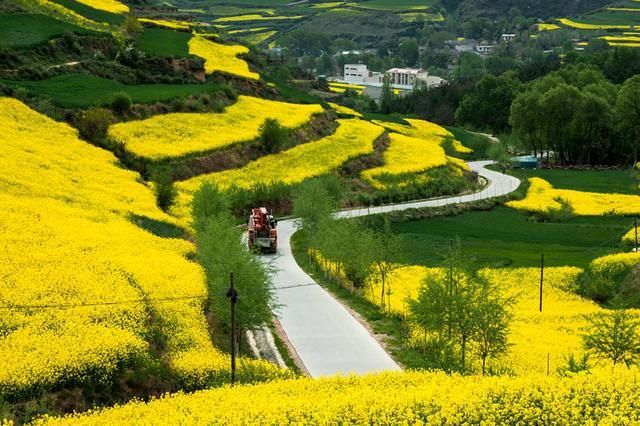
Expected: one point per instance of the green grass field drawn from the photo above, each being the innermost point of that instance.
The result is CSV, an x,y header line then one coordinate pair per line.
x,y
83,90
609,181
22,30
503,236
164,42
91,13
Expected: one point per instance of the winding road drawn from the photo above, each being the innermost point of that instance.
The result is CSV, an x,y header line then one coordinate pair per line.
x,y
327,338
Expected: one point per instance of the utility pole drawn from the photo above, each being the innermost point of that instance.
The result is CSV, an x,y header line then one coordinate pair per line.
x,y
635,226
232,294
541,278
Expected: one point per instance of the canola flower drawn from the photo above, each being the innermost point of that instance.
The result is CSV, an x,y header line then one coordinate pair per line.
x,y
352,139
548,27
167,23
222,57
68,239
421,129
405,158
343,110
255,17
113,6
57,11
179,134
586,26
604,396
542,197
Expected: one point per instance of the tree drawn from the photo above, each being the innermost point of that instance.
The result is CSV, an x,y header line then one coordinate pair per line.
x,y
131,27
387,97
208,204
500,156
273,136
461,305
121,103
386,257
614,336
409,52
164,188
313,206
94,124
628,113
492,319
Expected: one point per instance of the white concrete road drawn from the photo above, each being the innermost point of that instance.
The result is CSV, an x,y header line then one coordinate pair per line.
x,y
326,337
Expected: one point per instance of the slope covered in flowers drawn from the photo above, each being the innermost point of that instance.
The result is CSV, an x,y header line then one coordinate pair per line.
x,y
404,159
427,131
542,197
82,282
113,6
602,397
222,57
179,134
353,138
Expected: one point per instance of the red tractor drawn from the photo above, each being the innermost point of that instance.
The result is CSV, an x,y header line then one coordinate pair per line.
x,y
263,234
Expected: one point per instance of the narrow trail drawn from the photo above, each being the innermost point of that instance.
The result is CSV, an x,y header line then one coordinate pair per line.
x,y
326,337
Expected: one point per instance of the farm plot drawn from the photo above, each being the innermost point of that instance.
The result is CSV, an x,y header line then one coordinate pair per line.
x,y
352,139
79,280
21,30
221,57
176,135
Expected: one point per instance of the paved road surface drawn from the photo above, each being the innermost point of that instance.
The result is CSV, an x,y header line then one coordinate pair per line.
x,y
326,337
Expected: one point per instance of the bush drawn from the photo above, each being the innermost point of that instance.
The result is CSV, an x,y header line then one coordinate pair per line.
x,y
121,103
273,137
94,123
165,190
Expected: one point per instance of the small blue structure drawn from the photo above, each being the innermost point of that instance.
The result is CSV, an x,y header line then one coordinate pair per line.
x,y
525,162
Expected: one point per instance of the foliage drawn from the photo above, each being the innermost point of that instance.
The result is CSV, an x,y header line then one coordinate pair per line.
x,y
273,136
352,139
628,111
121,103
131,27
94,124
164,188
113,6
313,206
614,336
180,134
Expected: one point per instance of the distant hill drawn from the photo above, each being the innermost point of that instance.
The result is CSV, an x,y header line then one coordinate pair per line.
x,y
539,9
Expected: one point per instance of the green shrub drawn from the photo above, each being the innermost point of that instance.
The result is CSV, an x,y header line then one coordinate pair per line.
x,y
94,123
121,103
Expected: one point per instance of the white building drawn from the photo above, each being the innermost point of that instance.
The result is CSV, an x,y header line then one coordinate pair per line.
x,y
401,78
406,76
485,49
508,38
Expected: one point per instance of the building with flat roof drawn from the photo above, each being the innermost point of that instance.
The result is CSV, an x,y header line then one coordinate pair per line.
x,y
401,78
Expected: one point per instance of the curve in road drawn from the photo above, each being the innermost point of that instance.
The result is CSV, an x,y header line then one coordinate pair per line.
x,y
326,337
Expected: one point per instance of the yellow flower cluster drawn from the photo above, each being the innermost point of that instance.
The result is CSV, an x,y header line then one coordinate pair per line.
x,y
221,57
353,138
113,6
57,11
542,197
584,26
405,157
255,17
179,134
425,130
344,110
556,332
603,397
342,87
166,23
548,27
83,280
613,264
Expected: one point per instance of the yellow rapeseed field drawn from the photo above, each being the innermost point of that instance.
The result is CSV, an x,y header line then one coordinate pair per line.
x,y
222,57
604,396
353,138
425,130
340,109
179,134
166,23
406,157
585,26
113,6
542,197
68,239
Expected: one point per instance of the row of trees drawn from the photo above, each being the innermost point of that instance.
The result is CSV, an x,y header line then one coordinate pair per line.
x,y
221,250
574,115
